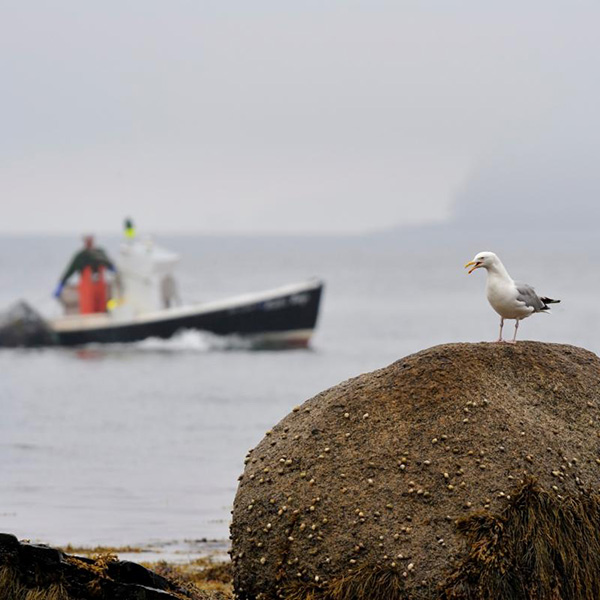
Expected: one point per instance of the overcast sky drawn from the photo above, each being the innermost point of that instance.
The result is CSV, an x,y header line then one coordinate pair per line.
x,y
279,116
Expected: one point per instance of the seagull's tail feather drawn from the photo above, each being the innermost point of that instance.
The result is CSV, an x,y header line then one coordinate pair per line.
x,y
547,301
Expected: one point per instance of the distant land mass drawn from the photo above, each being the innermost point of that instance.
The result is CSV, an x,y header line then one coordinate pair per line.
x,y
534,190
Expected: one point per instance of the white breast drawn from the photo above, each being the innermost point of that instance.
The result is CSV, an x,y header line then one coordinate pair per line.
x,y
502,295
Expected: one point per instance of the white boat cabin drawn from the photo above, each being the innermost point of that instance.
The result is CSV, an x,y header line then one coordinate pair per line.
x,y
145,279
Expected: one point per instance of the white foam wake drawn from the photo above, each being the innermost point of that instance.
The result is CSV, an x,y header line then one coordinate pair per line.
x,y
184,341
192,341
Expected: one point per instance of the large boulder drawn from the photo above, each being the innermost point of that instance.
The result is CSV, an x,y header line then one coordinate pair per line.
x,y
463,471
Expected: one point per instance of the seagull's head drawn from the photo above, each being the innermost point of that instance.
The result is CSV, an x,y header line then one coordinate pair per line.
x,y
483,259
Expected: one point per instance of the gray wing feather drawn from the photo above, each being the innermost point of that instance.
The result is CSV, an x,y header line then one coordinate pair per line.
x,y
527,294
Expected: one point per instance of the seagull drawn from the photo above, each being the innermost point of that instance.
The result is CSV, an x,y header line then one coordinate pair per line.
x,y
510,299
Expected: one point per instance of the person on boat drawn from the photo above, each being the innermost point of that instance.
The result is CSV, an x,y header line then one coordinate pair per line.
x,y
90,263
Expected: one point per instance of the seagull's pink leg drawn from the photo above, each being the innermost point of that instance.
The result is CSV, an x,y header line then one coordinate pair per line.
x,y
514,340
501,326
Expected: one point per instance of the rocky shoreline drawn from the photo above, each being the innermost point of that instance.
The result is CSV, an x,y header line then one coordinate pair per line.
x,y
45,573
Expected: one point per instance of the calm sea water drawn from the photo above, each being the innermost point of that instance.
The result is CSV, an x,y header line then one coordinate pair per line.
x,y
143,444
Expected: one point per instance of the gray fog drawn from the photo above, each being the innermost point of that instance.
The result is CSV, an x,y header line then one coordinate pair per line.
x,y
294,117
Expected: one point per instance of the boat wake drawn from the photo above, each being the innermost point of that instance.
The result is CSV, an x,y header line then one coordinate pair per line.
x,y
190,340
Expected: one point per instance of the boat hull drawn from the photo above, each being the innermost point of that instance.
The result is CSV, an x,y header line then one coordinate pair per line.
x,y
284,319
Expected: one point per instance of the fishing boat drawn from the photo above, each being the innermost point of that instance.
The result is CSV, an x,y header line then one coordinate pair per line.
x,y
145,304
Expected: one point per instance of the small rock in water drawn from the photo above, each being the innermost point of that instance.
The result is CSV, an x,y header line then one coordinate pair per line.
x,y
22,327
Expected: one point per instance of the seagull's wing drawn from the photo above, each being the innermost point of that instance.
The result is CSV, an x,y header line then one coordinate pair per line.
x,y
526,294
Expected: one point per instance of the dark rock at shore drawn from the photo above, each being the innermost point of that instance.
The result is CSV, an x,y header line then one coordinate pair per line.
x,y
22,326
466,471
47,573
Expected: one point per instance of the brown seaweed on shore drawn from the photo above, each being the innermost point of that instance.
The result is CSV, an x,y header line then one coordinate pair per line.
x,y
12,587
201,576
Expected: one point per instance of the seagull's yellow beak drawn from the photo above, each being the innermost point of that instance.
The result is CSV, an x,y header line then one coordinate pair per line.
x,y
474,265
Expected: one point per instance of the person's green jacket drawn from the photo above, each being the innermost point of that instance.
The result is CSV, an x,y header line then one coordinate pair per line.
x,y
88,257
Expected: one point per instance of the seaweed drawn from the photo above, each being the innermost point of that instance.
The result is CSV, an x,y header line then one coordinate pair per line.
x,y
542,547
365,582
12,587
